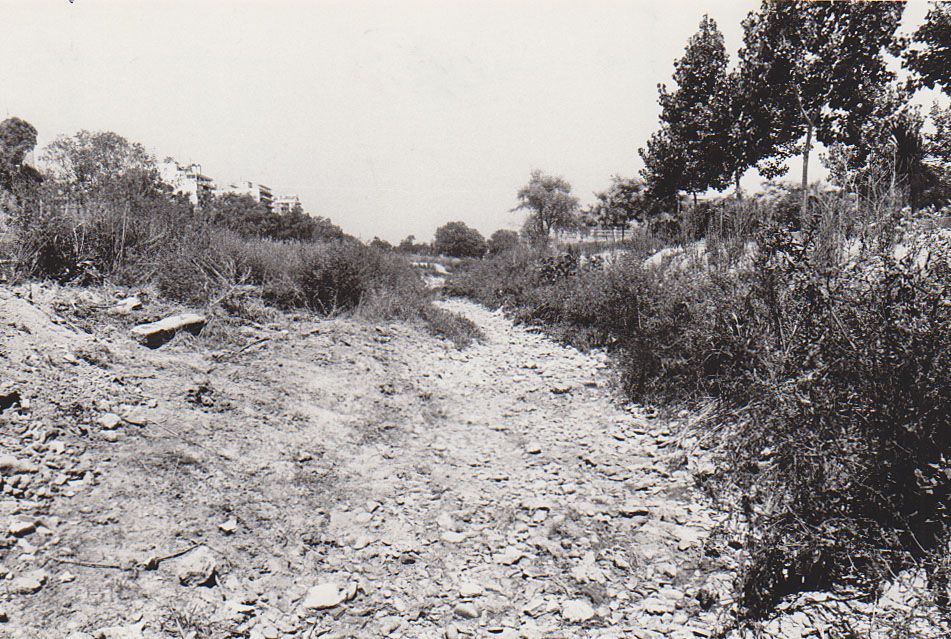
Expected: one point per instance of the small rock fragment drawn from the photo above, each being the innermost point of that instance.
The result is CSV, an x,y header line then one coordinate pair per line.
x,y
10,465
126,306
109,421
228,527
155,334
577,610
466,611
21,527
120,632
323,596
197,568
28,583
469,589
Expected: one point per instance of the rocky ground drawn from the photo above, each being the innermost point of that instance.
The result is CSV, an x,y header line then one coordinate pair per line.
x,y
306,479
301,478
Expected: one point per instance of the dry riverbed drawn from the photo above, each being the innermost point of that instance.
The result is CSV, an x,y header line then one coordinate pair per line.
x,y
306,478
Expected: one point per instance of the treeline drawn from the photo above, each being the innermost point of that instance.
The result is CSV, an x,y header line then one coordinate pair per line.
x,y
807,72
98,212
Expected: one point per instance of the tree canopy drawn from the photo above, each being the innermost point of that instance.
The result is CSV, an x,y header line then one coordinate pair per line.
x,y
456,239
550,204
17,139
929,53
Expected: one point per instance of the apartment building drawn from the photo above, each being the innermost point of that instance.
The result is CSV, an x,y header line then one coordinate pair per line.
x,y
187,179
258,192
285,204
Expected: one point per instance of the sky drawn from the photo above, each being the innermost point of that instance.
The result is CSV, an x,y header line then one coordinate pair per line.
x,y
390,118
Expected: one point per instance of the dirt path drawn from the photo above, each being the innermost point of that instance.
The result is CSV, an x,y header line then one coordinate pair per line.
x,y
346,481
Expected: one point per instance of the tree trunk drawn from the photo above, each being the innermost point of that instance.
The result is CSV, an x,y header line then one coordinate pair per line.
x,y
736,181
805,169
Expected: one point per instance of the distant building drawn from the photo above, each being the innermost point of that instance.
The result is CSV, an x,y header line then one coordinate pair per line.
x,y
258,192
285,204
186,179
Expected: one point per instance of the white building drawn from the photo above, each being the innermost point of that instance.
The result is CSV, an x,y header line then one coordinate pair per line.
x,y
285,204
186,179
258,192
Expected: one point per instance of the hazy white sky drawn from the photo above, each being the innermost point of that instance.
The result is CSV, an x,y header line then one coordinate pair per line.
x,y
390,118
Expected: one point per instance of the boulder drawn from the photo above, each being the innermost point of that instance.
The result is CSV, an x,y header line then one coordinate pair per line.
x,y
157,333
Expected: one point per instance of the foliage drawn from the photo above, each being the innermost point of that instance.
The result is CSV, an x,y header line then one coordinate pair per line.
x,y
99,168
619,205
381,245
501,241
817,67
843,443
829,354
550,204
665,163
929,54
17,139
693,112
248,217
410,245
456,239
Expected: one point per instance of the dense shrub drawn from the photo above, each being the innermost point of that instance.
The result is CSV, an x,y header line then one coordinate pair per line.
x,y
845,441
249,218
456,239
501,241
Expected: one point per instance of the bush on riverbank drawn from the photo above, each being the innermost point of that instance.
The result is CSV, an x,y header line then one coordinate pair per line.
x,y
827,352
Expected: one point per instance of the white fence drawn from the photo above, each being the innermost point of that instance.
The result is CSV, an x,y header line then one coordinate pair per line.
x,y
593,234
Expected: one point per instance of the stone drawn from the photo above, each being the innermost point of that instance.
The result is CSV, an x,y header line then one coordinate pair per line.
x,y
126,306
453,537
577,610
469,589
633,509
323,596
28,583
10,465
657,606
466,611
268,631
509,556
228,527
9,398
21,527
109,421
157,333
197,568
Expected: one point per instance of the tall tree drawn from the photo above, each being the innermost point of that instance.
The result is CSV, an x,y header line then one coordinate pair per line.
x,y
98,167
692,111
550,204
817,64
664,160
929,52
